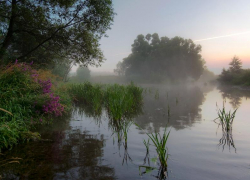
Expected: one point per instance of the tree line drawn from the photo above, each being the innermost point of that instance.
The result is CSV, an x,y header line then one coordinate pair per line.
x,y
235,74
157,59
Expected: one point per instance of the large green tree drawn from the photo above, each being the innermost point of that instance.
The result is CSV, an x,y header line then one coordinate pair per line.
x,y
46,31
158,58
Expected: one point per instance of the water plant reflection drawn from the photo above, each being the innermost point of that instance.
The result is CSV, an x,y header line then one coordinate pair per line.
x,y
120,101
225,120
159,142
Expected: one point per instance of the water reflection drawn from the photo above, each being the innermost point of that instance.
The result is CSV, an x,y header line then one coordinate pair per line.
x,y
234,95
71,154
88,111
177,106
227,136
227,139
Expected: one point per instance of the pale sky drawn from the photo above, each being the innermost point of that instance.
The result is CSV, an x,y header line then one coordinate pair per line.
x,y
222,26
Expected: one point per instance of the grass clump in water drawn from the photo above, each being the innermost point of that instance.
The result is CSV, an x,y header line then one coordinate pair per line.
x,y
120,101
123,101
160,143
87,94
226,119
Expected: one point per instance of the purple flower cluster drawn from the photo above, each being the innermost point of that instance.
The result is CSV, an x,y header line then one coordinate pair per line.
x,y
52,106
34,75
23,66
46,85
27,69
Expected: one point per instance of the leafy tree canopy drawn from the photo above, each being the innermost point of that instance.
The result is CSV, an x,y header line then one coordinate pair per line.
x,y
158,58
83,73
46,31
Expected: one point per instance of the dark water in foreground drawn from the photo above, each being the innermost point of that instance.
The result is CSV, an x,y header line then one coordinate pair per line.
x,y
87,147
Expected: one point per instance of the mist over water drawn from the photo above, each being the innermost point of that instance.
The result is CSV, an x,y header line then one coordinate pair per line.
x,y
86,146
107,90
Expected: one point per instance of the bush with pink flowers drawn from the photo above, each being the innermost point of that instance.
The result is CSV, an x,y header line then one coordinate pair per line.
x,y
28,97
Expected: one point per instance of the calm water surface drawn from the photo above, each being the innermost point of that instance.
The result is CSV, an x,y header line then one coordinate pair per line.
x,y
86,146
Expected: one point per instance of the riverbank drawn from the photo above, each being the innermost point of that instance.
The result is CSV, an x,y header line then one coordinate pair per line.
x,y
33,98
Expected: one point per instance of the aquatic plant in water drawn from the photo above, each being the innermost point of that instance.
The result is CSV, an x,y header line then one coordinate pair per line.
x,y
160,143
120,101
123,101
225,121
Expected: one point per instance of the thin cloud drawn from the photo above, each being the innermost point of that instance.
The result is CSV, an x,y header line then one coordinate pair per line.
x,y
217,37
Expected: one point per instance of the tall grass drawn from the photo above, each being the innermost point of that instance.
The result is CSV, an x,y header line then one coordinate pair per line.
x,y
226,119
123,101
120,101
87,94
160,143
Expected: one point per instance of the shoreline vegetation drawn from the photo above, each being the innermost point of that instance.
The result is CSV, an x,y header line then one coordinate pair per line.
x,y
32,98
235,75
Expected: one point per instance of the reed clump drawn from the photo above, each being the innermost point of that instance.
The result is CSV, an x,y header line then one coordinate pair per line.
x,y
87,94
119,100
123,101
226,121
160,142
226,118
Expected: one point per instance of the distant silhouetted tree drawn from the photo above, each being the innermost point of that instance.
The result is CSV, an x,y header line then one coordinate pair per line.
x,y
155,58
83,73
119,69
235,74
235,65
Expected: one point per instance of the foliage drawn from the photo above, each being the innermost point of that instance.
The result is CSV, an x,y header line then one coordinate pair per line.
x,y
235,74
62,69
27,98
82,74
160,143
52,30
122,101
158,59
235,65
119,101
226,119
119,69
87,94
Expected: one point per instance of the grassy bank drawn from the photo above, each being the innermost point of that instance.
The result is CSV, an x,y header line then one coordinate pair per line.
x,y
31,98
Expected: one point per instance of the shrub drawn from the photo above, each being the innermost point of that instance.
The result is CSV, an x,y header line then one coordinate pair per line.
x,y
28,94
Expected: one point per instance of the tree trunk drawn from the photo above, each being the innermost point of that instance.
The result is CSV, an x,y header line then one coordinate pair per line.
x,y
9,35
